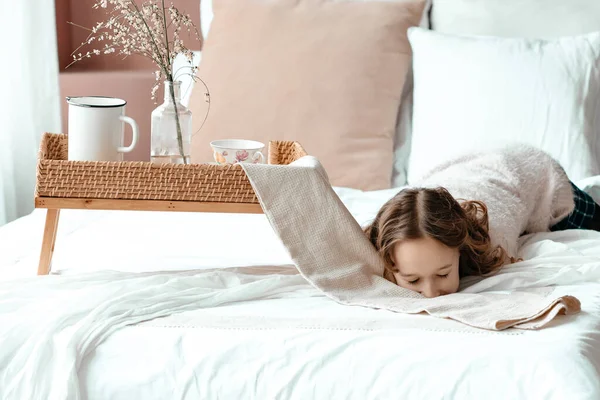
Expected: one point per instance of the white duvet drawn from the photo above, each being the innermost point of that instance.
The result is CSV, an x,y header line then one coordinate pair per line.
x,y
274,336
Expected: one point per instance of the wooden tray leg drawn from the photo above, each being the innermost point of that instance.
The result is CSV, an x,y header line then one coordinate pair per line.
x,y
48,241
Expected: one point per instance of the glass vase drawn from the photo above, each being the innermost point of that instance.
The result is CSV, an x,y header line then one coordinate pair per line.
x,y
171,129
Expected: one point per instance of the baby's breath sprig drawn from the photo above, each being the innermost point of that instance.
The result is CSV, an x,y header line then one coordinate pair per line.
x,y
149,29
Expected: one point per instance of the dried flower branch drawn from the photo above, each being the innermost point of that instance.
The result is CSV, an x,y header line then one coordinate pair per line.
x,y
149,29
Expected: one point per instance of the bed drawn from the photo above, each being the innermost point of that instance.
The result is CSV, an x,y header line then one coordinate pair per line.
x,y
296,343
299,344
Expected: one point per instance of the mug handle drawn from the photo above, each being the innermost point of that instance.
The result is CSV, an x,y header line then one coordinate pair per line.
x,y
134,137
260,155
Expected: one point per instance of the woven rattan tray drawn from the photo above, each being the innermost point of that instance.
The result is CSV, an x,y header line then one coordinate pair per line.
x,y
136,185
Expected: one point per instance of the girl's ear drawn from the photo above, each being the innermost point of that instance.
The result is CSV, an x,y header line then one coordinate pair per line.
x,y
389,275
391,257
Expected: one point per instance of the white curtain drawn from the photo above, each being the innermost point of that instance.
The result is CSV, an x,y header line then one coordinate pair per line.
x,y
29,98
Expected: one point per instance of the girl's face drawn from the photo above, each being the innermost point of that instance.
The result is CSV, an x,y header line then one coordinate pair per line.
x,y
426,266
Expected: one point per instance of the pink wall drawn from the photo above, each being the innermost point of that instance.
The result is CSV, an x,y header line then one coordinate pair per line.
x,y
81,13
109,75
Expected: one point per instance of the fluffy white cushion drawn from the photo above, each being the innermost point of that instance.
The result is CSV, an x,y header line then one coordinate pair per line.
x,y
480,92
517,18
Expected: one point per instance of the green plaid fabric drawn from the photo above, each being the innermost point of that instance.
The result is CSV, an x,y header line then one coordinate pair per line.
x,y
584,214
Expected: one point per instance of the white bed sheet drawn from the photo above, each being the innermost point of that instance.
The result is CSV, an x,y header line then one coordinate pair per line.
x,y
301,344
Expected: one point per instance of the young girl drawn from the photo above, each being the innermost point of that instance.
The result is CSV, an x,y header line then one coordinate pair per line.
x,y
429,241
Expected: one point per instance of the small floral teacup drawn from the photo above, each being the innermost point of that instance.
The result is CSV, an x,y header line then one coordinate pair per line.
x,y
234,151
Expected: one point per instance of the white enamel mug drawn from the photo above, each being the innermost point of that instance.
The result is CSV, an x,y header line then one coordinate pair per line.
x,y
96,127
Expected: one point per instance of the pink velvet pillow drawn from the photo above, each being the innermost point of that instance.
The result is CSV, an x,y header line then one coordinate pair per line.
x,y
326,73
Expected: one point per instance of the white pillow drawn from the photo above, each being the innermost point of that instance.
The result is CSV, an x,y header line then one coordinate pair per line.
x,y
475,93
517,18
591,186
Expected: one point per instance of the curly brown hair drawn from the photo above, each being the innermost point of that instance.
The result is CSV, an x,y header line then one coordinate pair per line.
x,y
415,213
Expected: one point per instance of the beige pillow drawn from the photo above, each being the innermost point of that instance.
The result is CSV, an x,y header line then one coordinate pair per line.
x,y
326,73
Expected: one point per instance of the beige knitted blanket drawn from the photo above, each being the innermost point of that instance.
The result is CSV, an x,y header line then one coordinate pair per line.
x,y
331,252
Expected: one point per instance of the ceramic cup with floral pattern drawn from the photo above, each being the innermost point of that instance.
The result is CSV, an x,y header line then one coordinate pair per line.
x,y
234,151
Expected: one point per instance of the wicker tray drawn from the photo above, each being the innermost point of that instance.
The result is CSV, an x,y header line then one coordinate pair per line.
x,y
134,185
59,178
